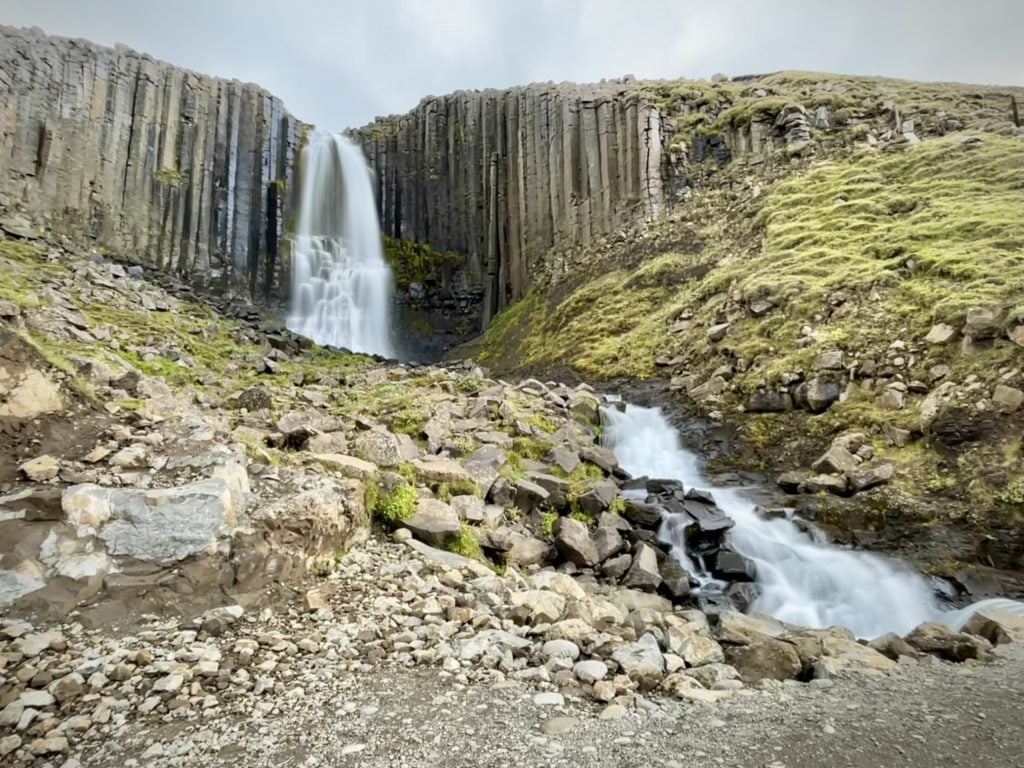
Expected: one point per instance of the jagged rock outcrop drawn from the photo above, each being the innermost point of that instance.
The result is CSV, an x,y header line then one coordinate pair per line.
x,y
175,170
503,176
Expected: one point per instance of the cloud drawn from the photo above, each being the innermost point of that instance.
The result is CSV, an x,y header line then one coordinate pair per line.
x,y
342,63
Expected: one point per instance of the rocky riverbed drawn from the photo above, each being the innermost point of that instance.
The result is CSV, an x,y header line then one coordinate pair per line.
x,y
405,655
211,530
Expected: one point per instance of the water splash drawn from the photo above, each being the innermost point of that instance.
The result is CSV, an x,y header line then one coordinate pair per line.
x,y
803,581
341,286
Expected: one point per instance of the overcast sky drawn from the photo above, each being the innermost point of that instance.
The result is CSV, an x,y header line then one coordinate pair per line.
x,y
339,63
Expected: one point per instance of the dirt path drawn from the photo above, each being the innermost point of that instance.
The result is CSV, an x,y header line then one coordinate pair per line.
x,y
928,715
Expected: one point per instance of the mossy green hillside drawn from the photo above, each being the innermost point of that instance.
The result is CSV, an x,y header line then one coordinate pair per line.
x,y
903,240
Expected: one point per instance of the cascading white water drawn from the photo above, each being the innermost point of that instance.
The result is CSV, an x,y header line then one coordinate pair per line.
x,y
802,581
341,286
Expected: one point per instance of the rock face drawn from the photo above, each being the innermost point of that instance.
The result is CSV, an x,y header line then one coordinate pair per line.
x,y
165,524
186,173
561,165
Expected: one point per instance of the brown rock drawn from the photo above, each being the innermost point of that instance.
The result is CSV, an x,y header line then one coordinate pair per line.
x,y
767,659
938,640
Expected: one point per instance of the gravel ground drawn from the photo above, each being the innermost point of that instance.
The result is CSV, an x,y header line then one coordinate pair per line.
x,y
928,714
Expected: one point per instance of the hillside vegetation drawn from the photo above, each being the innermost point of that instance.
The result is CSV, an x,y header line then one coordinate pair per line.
x,y
826,266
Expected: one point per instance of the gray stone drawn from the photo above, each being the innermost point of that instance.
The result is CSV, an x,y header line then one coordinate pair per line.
x,y
40,469
436,471
572,539
1007,399
380,447
598,497
718,332
616,567
836,460
434,522
866,477
162,524
643,573
940,334
820,394
590,671
642,661
675,580
529,495
743,629
984,322
829,361
608,542
469,508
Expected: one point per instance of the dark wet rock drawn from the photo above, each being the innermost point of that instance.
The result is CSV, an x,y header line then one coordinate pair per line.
x,y
643,574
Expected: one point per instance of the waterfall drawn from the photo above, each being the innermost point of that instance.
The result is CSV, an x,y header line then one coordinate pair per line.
x,y
803,580
341,286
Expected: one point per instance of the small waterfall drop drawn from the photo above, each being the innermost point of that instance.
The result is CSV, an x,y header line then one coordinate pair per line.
x,y
803,581
341,286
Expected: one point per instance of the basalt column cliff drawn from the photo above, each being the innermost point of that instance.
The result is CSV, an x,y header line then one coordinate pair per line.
x,y
176,170
503,176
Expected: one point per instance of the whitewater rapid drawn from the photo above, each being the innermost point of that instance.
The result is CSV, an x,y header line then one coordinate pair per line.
x,y
341,286
803,581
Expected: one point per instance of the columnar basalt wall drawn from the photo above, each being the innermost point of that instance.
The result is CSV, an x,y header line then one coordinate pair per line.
x,y
504,176
175,170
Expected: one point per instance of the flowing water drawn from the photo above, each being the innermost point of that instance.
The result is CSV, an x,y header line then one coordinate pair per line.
x,y
341,286
803,580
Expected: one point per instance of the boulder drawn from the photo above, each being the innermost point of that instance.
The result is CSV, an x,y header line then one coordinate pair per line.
x,y
642,514
1007,399
1016,335
608,542
769,401
528,550
381,447
939,640
866,477
590,672
840,655
529,495
565,459
791,482
556,487
254,399
699,650
643,573
601,457
537,606
820,394
598,497
28,394
766,659
346,466
718,332
940,333
892,646
675,580
711,675
984,322
40,469
434,523
745,629
836,460
892,400
483,465
836,484
616,567
997,626
829,361
434,471
559,583
732,566
572,539
161,524
642,661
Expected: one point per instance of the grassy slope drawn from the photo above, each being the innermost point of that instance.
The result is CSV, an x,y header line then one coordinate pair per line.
x,y
865,246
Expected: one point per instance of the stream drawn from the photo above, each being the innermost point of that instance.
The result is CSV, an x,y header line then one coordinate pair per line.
x,y
802,578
